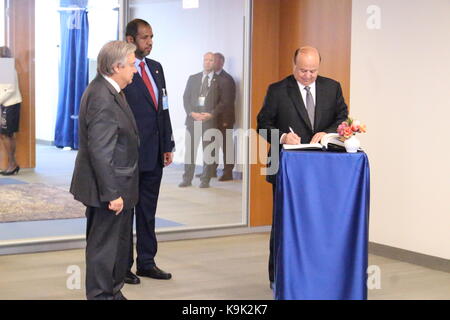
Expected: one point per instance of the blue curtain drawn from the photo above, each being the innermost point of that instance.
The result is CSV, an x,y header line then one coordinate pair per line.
x,y
73,73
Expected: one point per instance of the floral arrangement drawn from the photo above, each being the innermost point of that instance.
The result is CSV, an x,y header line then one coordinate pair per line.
x,y
350,127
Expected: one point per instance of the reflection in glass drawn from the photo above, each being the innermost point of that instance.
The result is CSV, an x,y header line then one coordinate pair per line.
x,y
55,19
201,51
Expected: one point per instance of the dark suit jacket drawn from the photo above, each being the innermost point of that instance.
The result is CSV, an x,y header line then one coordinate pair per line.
x,y
155,128
283,108
227,96
191,94
107,159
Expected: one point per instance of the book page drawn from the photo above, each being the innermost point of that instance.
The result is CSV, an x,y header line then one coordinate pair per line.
x,y
302,146
331,138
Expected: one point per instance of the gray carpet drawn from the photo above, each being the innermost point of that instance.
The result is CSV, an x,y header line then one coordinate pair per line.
x,y
36,201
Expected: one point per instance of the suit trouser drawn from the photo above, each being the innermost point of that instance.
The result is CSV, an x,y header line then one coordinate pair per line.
x,y
192,140
145,211
107,237
272,239
226,136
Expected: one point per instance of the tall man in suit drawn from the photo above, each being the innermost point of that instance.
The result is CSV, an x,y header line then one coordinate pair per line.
x,y
225,118
200,100
309,104
147,96
105,178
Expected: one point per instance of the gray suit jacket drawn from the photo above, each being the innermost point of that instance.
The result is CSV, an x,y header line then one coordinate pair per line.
x,y
106,167
190,98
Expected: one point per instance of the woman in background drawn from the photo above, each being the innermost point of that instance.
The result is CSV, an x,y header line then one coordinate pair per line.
x,y
10,99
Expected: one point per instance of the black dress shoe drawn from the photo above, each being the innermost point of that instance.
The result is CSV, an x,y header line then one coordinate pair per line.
x,y
155,273
198,175
131,278
226,177
185,184
10,173
119,296
204,184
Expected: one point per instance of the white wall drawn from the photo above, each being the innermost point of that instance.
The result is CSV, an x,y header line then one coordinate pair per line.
x,y
2,23
182,36
400,84
47,55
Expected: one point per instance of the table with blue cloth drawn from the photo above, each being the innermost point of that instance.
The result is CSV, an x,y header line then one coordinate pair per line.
x,y
321,226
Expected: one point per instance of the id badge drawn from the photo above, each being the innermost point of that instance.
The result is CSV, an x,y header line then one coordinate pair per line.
x,y
165,101
201,101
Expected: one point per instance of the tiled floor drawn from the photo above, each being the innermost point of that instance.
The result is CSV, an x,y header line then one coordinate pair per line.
x,y
224,268
216,268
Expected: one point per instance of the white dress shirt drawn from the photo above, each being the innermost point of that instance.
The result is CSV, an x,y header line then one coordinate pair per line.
x,y
303,92
112,82
210,76
147,70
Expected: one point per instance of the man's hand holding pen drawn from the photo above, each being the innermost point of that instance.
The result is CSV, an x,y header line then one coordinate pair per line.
x,y
291,138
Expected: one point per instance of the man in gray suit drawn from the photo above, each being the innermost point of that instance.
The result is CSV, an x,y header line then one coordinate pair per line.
x,y
105,177
200,99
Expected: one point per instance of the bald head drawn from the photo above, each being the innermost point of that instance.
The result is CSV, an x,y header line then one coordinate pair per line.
x,y
208,62
306,65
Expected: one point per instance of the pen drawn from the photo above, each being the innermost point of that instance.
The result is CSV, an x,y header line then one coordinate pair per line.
x,y
290,129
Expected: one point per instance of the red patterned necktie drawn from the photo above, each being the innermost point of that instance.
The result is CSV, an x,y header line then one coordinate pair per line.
x,y
148,83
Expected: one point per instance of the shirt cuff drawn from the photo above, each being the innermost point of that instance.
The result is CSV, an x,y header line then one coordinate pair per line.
x,y
281,138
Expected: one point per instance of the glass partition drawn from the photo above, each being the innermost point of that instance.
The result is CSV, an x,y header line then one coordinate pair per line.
x,y
36,204
198,190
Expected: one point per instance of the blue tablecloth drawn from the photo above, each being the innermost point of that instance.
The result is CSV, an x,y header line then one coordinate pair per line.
x,y
321,225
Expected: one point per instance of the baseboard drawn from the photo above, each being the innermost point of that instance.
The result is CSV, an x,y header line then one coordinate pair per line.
x,y
412,257
79,242
35,246
237,175
45,142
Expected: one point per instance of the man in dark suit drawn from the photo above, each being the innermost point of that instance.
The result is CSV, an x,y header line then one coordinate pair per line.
x,y
308,104
147,96
200,100
105,178
225,118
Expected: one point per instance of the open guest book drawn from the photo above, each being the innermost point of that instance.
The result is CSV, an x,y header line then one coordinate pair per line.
x,y
330,141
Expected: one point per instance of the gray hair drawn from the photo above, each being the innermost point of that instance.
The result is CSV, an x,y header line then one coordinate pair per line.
x,y
113,54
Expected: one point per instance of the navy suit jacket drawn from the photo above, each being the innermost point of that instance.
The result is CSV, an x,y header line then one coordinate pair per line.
x,y
154,126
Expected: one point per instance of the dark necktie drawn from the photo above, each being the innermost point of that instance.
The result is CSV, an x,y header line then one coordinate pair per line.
x,y
122,94
148,84
310,107
204,88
